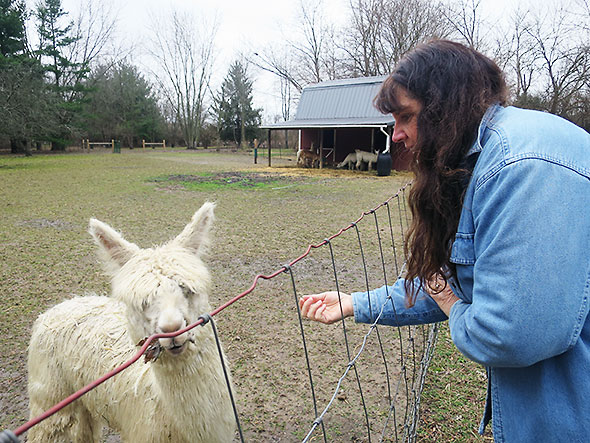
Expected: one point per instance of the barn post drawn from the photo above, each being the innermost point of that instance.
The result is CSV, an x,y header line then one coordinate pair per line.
x,y
334,148
321,148
269,132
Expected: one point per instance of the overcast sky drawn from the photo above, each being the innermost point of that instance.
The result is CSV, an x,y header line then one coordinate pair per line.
x,y
247,26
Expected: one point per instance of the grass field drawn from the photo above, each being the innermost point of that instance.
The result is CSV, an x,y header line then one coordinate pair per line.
x,y
266,217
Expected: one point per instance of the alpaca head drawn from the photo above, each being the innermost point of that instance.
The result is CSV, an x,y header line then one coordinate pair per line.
x,y
164,288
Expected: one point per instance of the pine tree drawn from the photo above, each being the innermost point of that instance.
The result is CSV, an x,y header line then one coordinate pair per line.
x,y
122,105
25,112
54,38
66,76
237,120
12,28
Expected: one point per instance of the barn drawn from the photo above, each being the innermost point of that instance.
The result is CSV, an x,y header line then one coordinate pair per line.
x,y
336,117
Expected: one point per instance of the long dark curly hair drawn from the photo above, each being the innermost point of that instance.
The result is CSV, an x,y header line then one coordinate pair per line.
x,y
455,86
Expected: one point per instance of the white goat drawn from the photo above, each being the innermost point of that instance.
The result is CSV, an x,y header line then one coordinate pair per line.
x,y
349,161
180,397
367,157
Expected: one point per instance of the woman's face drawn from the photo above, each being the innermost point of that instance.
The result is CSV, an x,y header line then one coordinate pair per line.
x,y
406,119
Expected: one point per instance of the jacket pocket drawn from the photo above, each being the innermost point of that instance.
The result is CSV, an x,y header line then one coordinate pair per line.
x,y
462,251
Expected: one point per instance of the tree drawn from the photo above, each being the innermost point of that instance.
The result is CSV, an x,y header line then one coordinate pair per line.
x,y
523,60
122,105
362,38
310,52
184,52
54,38
12,28
564,60
465,21
410,22
381,31
67,48
24,99
25,103
277,62
237,120
583,14
309,59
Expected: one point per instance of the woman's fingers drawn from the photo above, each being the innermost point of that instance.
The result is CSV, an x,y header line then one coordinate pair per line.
x,y
305,304
312,307
325,307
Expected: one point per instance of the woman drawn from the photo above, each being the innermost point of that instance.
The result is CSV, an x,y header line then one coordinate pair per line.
x,y
499,242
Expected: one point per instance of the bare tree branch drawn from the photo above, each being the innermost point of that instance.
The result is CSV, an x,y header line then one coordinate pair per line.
x,y
184,54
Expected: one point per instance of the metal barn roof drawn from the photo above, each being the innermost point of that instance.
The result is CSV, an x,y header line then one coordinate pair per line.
x,y
338,103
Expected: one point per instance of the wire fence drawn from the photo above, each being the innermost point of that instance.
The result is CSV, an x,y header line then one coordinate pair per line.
x,y
373,392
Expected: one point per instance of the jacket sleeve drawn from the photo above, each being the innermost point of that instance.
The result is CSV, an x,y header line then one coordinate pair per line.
x,y
391,300
531,266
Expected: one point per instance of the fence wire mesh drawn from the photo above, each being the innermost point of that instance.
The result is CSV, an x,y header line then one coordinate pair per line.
x,y
383,372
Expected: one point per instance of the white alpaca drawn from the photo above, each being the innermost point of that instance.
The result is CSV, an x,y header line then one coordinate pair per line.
x,y
349,161
367,157
180,397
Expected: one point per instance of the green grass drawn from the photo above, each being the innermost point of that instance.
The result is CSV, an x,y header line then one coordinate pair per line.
x,y
208,182
264,220
454,396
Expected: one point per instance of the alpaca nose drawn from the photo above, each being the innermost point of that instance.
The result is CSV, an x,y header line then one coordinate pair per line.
x,y
170,321
170,327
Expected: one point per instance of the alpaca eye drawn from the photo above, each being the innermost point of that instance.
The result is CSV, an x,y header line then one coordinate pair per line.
x,y
186,291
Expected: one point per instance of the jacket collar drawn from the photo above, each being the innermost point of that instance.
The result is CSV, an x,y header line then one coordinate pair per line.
x,y
488,119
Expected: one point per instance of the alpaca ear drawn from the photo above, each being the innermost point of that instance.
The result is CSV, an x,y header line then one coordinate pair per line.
x,y
195,236
114,250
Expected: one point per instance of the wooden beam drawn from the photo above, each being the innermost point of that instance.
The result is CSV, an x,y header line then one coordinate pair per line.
x,y
269,162
321,148
334,148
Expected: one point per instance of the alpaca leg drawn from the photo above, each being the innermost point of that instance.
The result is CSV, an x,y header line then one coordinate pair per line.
x,y
71,424
41,398
46,388
85,428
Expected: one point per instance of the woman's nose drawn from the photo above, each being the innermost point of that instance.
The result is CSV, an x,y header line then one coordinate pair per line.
x,y
399,134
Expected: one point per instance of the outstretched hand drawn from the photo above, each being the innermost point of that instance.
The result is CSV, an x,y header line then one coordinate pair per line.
x,y
325,307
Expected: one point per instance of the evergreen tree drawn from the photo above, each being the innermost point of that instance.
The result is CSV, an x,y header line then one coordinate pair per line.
x,y
122,105
237,120
54,39
12,28
25,102
66,76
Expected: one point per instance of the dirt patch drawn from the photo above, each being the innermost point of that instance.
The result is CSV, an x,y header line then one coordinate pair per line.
x,y
227,178
211,181
43,223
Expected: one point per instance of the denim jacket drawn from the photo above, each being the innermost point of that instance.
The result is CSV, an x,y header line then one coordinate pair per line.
x,y
522,254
